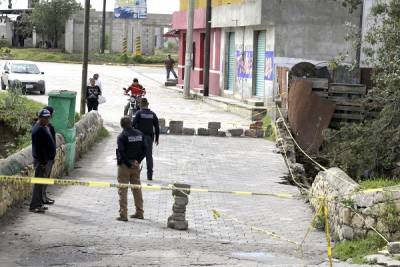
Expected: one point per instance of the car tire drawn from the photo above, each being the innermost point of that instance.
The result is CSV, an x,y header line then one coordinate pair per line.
x,y
43,92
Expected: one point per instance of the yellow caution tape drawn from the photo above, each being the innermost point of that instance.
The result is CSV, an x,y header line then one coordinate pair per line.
x,y
328,233
99,184
66,182
42,181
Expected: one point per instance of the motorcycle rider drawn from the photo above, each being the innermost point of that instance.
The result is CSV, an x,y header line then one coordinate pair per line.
x,y
136,90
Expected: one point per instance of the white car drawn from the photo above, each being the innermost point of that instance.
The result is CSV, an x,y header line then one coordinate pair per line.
x,y
26,72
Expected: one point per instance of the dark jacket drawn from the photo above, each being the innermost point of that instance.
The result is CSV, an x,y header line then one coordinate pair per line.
x,y
131,147
93,92
43,145
146,121
53,132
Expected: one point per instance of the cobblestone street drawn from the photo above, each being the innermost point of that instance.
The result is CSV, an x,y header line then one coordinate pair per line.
x,y
81,230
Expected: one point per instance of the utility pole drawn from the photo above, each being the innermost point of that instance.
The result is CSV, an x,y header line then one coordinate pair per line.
x,y
189,49
85,57
103,29
206,88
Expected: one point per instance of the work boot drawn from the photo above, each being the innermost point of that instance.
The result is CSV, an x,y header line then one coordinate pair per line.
x,y
137,216
122,219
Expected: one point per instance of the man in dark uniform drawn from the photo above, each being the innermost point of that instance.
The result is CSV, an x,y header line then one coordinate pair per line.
x,y
131,151
46,199
147,122
43,152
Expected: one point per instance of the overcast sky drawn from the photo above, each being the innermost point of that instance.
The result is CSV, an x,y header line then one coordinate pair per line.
x,y
154,6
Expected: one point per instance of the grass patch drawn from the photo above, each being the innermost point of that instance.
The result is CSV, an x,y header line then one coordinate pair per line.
x,y
103,134
18,120
378,183
269,128
55,55
358,249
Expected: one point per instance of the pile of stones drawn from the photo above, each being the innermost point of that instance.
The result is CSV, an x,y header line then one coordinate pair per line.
x,y
214,129
178,220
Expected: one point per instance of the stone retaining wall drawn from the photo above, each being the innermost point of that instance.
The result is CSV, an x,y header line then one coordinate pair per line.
x,y
21,162
375,208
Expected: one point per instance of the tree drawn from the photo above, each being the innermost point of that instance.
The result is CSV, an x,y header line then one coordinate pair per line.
x,y
49,17
374,145
23,28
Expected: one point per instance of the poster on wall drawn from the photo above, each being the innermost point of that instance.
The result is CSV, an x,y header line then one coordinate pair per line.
x,y
130,9
244,64
269,65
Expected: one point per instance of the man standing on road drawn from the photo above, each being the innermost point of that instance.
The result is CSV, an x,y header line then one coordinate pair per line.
x,y
147,122
43,152
92,95
169,66
46,199
130,153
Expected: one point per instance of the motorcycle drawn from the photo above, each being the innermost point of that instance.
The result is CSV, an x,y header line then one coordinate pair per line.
x,y
133,102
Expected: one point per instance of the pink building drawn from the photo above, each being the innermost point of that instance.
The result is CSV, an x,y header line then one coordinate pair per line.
x,y
179,23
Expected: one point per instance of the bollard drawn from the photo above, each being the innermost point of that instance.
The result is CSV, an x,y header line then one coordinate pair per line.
x,y
178,220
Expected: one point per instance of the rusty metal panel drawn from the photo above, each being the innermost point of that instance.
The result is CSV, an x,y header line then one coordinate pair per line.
x,y
309,114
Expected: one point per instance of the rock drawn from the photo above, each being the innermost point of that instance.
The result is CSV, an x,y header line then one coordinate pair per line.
x,y
182,201
369,221
346,233
257,125
214,125
382,260
189,131
182,191
164,130
163,127
251,133
178,216
357,222
203,132
221,134
162,123
345,216
213,132
382,228
176,127
179,209
236,132
394,247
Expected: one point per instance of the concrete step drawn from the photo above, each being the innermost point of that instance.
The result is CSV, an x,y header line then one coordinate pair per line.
x,y
254,102
253,113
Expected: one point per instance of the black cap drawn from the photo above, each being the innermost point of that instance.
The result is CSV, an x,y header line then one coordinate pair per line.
x,y
51,109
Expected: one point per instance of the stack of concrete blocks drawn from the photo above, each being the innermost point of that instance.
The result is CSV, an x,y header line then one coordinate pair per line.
x,y
176,127
213,128
203,132
178,220
236,132
256,130
163,127
189,131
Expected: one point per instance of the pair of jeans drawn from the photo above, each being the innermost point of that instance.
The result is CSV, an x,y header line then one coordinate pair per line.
x,y
42,170
173,73
148,141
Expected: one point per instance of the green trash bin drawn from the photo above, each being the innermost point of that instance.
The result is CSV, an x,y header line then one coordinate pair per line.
x,y
63,121
63,103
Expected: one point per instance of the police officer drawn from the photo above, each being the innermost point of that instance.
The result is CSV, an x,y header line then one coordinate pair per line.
x,y
147,122
131,151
